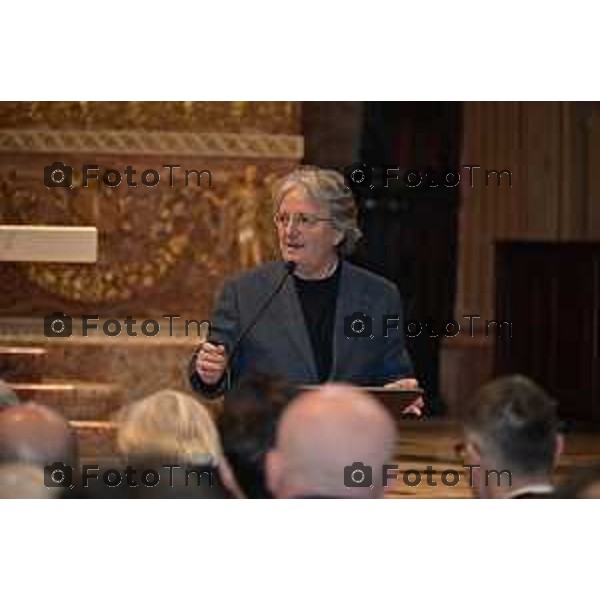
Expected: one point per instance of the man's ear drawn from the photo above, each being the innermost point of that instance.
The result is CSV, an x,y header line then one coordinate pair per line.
x,y
273,472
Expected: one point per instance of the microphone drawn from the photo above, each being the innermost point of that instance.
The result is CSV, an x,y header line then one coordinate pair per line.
x,y
290,267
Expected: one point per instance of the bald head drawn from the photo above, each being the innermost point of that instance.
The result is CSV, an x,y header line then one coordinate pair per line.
x,y
322,432
35,434
20,480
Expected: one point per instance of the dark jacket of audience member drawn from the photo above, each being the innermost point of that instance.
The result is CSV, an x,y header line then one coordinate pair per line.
x,y
247,426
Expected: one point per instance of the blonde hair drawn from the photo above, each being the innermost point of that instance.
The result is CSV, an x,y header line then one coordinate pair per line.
x,y
169,424
328,188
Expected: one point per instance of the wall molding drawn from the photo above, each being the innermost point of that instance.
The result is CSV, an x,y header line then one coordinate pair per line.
x,y
223,145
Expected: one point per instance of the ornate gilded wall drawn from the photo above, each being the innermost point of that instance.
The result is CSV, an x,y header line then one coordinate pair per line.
x,y
161,248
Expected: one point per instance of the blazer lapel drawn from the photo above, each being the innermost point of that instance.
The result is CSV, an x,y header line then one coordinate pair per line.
x,y
349,300
294,325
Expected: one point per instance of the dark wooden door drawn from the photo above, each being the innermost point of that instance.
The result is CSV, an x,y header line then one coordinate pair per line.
x,y
551,294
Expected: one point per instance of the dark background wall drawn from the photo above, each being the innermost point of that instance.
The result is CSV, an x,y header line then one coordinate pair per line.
x,y
410,232
440,244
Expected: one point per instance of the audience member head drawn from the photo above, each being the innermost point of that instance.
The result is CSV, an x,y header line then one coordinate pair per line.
x,y
168,424
247,426
584,483
36,434
21,480
512,426
323,431
171,426
7,396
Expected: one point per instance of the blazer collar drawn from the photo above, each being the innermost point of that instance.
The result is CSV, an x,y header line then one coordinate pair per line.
x,y
294,325
350,298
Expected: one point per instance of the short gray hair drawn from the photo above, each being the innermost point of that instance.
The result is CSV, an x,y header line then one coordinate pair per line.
x,y
328,188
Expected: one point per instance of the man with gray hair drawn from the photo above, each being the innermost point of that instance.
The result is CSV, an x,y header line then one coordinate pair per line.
x,y
321,435
313,316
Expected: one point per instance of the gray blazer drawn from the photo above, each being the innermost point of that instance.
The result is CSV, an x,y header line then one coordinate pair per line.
x,y
279,342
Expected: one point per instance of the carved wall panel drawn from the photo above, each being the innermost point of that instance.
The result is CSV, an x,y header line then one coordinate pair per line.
x,y
161,248
549,147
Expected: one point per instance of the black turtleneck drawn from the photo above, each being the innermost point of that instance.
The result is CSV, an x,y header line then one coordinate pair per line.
x,y
318,299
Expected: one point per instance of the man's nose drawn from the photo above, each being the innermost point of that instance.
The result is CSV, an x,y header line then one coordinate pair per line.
x,y
292,225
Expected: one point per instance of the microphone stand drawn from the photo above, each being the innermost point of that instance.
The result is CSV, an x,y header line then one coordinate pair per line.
x,y
290,267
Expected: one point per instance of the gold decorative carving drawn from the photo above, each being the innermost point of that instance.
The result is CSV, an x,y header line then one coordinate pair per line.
x,y
158,248
143,236
231,117
246,203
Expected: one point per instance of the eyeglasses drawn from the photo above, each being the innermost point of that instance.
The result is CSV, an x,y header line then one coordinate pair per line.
x,y
302,220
